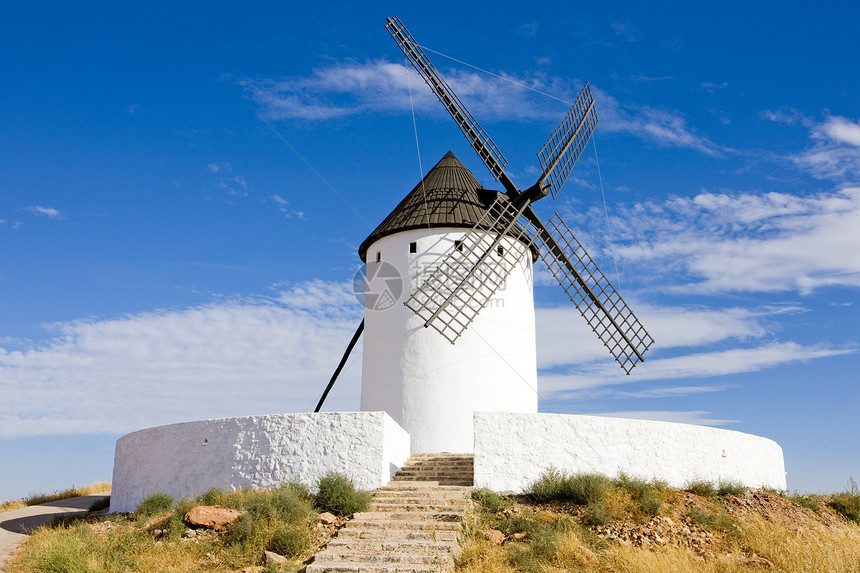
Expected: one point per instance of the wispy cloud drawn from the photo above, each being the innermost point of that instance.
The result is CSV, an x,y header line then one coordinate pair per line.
x,y
45,211
578,381
284,207
834,152
574,364
381,87
251,356
773,242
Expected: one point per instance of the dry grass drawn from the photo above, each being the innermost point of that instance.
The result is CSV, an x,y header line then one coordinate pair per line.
x,y
813,549
36,499
155,537
793,540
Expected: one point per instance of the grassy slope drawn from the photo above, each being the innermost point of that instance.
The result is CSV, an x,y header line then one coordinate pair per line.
x,y
633,526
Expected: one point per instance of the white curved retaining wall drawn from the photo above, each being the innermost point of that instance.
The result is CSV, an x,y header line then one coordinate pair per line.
x,y
512,450
428,385
185,460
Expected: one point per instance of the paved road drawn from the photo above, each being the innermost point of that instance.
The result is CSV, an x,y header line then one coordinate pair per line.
x,y
16,524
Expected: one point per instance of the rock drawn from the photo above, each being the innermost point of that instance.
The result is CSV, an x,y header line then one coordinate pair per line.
x,y
211,516
519,536
755,560
327,519
270,557
494,536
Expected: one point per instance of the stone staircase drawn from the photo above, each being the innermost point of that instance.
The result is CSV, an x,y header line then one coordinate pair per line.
x,y
447,469
413,526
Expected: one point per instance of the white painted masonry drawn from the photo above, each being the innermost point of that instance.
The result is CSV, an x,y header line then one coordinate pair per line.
x,y
256,451
512,450
428,385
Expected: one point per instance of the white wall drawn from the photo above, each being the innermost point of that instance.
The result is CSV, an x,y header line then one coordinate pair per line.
x,y
430,386
185,460
512,450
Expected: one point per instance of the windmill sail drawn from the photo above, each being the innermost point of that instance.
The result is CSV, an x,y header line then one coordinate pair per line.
x,y
563,148
470,275
596,299
483,145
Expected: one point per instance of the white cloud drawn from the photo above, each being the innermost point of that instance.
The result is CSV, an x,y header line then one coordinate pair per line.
x,y
843,130
47,211
349,89
242,357
572,383
835,150
772,242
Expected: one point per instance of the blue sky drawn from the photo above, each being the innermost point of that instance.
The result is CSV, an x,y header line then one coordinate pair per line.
x,y
183,191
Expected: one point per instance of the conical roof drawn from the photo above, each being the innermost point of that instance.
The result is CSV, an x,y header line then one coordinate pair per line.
x,y
448,196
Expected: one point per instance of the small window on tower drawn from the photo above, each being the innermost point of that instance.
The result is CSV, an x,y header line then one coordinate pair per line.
x,y
413,247
378,256
458,245
501,251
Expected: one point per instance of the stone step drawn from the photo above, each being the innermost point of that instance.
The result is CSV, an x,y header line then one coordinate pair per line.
x,y
399,534
442,456
433,475
414,524
459,482
393,545
444,507
431,516
435,471
440,464
413,496
340,567
421,486
387,557
405,524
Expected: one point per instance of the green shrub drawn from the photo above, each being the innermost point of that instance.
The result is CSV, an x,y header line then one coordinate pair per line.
x,y
213,496
153,505
714,521
847,503
647,494
67,551
549,486
585,489
490,501
337,495
520,524
702,487
598,514
809,501
581,489
289,540
730,487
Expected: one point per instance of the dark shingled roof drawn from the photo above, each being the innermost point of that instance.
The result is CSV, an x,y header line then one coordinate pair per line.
x,y
448,196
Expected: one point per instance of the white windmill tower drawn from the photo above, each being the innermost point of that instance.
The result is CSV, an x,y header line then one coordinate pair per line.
x,y
430,386
464,255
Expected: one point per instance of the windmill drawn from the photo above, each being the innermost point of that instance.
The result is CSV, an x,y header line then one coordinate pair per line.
x,y
463,341
449,300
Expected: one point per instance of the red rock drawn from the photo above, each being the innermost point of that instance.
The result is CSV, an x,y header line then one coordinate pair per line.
x,y
494,536
211,516
327,519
